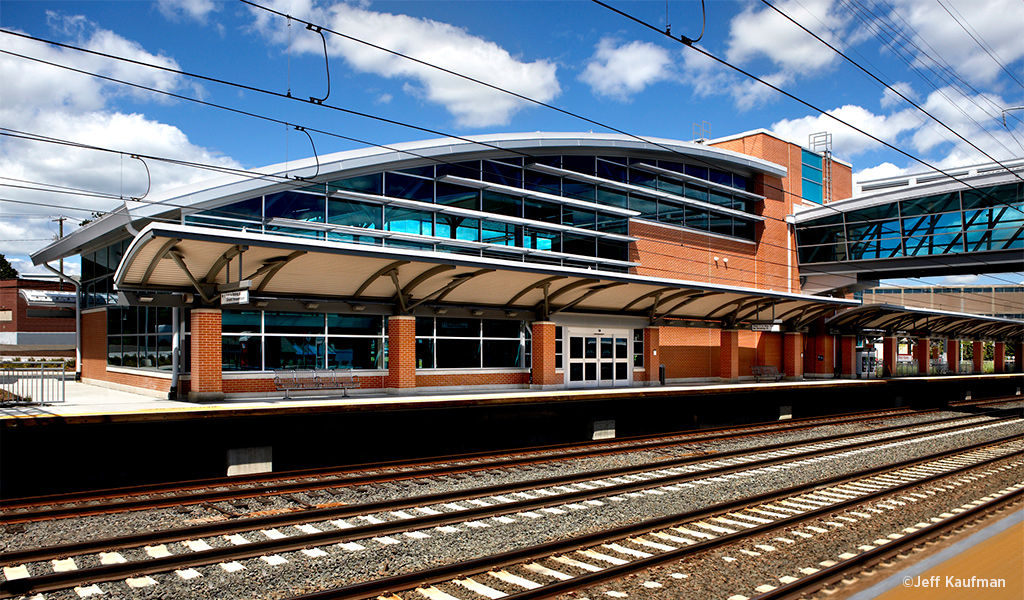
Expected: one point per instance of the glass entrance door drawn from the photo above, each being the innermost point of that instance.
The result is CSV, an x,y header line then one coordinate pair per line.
x,y
598,358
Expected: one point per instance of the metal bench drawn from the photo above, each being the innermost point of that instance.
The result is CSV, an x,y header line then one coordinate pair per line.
x,y
766,372
287,380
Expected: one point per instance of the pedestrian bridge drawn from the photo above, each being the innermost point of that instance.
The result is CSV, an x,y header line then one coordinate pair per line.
x,y
916,227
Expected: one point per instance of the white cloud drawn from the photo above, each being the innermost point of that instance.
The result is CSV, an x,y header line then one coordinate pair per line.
x,y
619,71
196,10
847,141
447,46
997,23
788,47
46,101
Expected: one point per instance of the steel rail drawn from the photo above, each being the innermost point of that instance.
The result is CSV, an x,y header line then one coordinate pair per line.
x,y
837,572
586,448
469,568
67,511
322,514
63,580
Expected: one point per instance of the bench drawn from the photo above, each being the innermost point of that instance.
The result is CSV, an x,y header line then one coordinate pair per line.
x,y
287,380
766,372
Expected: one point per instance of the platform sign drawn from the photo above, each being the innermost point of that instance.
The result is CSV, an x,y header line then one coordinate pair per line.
x,y
765,327
238,297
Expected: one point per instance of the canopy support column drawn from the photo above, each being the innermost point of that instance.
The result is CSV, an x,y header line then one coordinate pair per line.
x,y
953,356
729,356
401,377
206,383
793,355
978,355
542,367
923,354
848,356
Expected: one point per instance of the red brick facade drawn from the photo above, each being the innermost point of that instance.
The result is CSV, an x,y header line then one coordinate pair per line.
x,y
20,321
999,355
848,356
401,353
543,355
729,356
94,358
953,356
978,356
922,354
205,381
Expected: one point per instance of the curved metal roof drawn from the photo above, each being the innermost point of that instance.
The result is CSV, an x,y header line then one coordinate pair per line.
x,y
923,322
231,188
195,260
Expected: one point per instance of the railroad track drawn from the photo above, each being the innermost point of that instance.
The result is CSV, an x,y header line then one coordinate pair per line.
x,y
285,485
219,543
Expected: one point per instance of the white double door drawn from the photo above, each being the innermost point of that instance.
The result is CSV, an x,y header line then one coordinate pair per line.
x,y
599,357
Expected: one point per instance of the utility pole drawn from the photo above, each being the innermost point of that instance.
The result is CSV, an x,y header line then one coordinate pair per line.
x,y
60,222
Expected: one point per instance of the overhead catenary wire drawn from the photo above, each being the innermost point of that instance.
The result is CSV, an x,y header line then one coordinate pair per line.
x,y
345,110
887,86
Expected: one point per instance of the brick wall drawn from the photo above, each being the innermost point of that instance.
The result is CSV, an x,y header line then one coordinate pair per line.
x,y
728,355
427,379
543,353
792,362
11,300
94,357
401,353
206,351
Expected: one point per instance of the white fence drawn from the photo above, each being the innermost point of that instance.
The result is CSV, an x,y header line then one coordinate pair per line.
x,y
32,382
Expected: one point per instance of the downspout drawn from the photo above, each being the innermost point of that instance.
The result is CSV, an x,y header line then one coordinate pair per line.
x,y
172,394
790,232
78,318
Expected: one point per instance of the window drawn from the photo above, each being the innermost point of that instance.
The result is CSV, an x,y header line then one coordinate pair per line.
x,y
811,175
638,347
456,343
139,337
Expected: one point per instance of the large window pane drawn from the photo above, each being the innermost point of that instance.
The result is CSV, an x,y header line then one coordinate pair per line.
x,y
452,327
365,184
496,328
502,204
407,220
457,195
583,245
355,324
541,240
458,228
502,353
354,353
294,323
241,353
240,321
502,173
294,352
295,205
458,354
397,185
503,234
537,210
424,353
353,213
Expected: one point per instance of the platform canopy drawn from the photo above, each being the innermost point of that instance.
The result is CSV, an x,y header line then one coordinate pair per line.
x,y
922,322
205,265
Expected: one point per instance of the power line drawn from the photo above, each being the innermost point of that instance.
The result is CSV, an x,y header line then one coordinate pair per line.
x,y
961,21
887,86
336,108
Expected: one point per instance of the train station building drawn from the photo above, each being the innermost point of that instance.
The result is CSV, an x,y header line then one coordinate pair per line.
x,y
512,261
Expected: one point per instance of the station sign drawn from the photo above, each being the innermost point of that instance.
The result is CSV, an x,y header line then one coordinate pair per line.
x,y
236,297
766,326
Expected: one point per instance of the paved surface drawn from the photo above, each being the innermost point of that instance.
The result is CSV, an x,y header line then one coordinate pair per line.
x,y
995,552
83,400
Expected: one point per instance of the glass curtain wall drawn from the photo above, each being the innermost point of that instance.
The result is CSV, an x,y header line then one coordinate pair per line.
x,y
948,223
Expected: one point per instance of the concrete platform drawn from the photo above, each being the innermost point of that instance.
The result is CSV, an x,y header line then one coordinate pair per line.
x,y
84,402
102,438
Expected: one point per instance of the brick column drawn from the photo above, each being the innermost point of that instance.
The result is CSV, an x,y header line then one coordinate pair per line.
x,y
953,356
401,377
889,350
922,353
978,355
792,355
1000,356
205,383
652,355
729,356
848,356
1018,357
542,367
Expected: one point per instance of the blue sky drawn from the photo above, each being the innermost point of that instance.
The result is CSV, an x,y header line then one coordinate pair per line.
x,y
962,60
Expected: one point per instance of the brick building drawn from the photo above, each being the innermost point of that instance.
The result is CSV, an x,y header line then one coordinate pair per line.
x,y
37,314
505,261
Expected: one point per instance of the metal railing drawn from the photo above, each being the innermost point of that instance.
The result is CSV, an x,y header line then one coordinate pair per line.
x,y
35,382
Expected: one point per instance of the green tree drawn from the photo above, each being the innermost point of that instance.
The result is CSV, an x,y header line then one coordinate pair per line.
x,y
6,270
